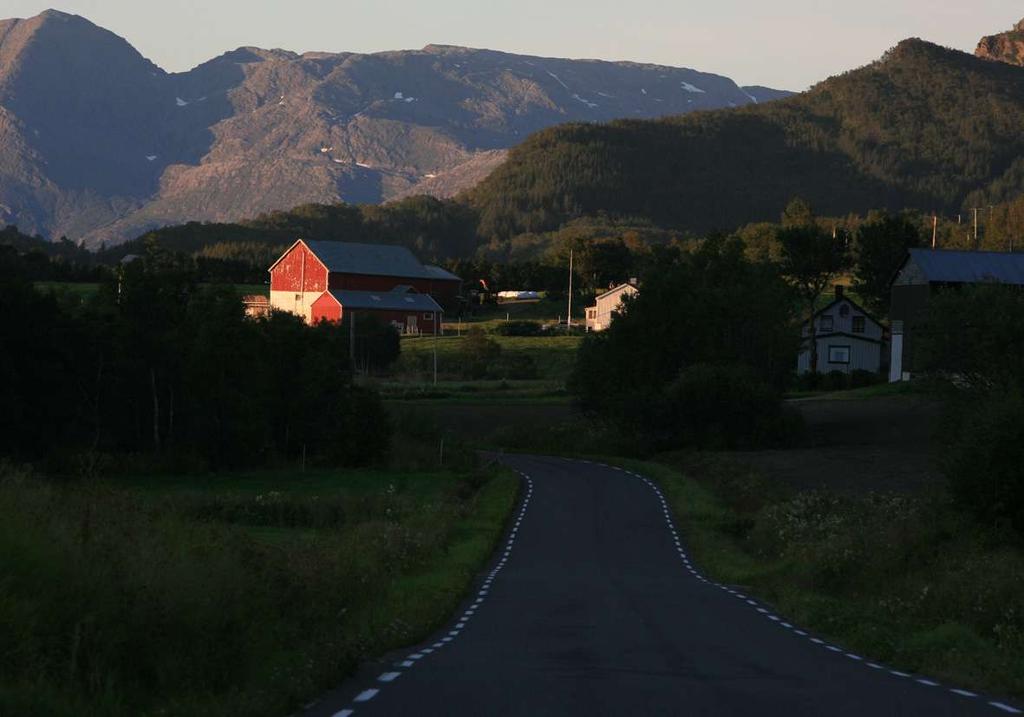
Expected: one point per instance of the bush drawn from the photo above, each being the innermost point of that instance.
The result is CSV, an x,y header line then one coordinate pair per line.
x,y
477,353
518,328
719,407
984,460
861,378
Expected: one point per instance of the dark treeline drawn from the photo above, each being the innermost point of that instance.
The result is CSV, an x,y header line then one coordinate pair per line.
x,y
434,229
156,368
41,260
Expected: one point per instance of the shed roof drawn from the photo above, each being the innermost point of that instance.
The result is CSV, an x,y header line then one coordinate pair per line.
x,y
614,289
373,259
385,300
969,267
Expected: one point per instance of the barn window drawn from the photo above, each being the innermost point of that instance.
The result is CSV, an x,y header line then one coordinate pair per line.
x,y
839,354
858,324
844,310
825,323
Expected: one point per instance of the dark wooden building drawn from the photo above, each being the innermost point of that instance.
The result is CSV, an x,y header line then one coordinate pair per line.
x,y
925,271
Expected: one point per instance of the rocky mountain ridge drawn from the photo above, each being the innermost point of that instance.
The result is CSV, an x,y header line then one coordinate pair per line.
x,y
99,144
1005,47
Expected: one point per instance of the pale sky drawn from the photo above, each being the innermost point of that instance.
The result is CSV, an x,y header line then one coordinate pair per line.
x,y
789,44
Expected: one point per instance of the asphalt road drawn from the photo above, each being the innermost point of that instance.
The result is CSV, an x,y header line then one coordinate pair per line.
x,y
591,607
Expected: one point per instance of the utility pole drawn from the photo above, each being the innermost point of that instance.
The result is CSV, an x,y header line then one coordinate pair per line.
x,y
568,319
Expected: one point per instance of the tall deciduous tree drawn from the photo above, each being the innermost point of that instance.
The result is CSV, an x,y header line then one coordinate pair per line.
x,y
882,243
811,259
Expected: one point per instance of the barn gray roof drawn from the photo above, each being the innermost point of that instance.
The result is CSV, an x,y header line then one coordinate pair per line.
x,y
439,273
373,259
385,300
969,267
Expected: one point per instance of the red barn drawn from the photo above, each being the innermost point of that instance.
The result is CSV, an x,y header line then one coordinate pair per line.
x,y
407,310
309,268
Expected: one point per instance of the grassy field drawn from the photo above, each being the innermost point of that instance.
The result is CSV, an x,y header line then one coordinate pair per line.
x,y
235,594
903,579
553,356
547,311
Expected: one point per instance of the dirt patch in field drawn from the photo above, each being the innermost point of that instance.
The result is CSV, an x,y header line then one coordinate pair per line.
x,y
881,444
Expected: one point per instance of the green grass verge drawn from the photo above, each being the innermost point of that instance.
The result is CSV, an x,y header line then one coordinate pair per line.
x,y
185,596
905,582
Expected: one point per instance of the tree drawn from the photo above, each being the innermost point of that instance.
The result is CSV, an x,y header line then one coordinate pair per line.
x,y
882,243
811,258
699,310
798,213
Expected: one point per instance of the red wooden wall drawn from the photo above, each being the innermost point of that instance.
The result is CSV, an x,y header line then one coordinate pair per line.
x,y
287,275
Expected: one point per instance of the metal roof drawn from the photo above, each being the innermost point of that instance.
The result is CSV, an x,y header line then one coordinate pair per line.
x,y
439,273
374,259
970,267
385,300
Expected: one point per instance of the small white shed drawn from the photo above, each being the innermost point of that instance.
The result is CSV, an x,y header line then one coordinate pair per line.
x,y
599,316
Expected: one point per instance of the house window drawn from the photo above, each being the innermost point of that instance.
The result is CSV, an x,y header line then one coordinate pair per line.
x,y
427,316
844,310
858,324
825,323
839,354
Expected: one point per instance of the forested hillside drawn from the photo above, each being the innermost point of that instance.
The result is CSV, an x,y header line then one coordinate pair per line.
x,y
924,127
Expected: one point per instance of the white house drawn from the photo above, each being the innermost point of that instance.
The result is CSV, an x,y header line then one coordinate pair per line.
x,y
848,339
599,316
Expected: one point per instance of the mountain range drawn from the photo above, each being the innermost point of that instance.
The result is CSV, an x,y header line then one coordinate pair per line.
x,y
99,144
924,127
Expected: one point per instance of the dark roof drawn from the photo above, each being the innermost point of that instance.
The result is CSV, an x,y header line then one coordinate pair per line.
x,y
852,303
374,259
385,300
969,267
442,274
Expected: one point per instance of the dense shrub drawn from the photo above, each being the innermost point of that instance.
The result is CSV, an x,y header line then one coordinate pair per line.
x,y
718,407
836,380
984,458
518,328
974,338
477,353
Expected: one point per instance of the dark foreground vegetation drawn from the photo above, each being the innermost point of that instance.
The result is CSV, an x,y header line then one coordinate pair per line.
x,y
907,579
700,357
236,594
154,366
142,573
